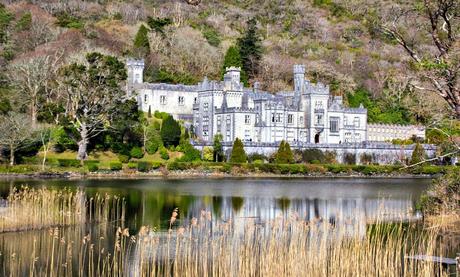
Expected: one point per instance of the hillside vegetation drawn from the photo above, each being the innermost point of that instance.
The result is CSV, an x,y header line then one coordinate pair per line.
x,y
337,40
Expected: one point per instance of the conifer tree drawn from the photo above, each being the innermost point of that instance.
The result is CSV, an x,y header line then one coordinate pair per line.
x,y
284,154
238,154
218,149
170,132
233,58
418,155
250,49
141,42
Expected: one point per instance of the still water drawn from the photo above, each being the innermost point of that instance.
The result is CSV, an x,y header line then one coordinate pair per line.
x,y
151,201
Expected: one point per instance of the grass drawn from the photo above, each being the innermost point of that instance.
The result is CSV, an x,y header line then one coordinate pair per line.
x,y
286,246
32,209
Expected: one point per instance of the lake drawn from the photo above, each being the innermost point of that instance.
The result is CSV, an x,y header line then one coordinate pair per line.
x,y
151,201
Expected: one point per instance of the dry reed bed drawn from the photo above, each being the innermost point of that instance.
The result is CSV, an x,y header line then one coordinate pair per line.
x,y
282,247
31,209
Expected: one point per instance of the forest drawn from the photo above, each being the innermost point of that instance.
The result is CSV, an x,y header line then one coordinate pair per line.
x,y
62,74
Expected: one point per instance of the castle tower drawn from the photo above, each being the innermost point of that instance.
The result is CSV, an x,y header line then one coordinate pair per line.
x,y
232,78
135,73
299,78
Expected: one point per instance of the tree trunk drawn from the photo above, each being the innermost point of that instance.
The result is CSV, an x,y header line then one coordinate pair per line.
x,y
33,112
11,155
83,143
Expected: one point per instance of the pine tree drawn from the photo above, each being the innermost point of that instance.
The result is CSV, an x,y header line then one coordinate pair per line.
x,y
233,58
418,155
288,153
141,42
250,49
170,132
238,154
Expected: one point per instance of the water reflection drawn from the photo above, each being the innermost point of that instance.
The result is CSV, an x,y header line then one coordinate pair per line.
x,y
150,202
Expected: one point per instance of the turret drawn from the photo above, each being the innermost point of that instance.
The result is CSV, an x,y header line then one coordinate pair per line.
x,y
232,78
299,77
135,72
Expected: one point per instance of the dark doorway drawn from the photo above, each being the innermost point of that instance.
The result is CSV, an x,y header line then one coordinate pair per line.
x,y
317,138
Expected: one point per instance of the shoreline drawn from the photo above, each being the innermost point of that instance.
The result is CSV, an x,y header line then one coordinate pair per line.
x,y
202,174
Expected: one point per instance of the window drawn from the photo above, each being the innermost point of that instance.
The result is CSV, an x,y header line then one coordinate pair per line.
x,y
318,104
334,124
345,120
228,119
194,100
218,121
273,117
180,100
247,135
163,99
301,119
347,137
290,119
358,137
247,119
146,98
319,119
228,135
278,117
205,107
356,122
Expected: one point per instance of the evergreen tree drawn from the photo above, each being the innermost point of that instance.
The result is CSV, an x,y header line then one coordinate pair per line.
x,y
418,155
233,58
141,42
250,49
284,154
217,148
170,132
238,154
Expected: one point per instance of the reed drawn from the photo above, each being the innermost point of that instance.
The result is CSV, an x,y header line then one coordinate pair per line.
x,y
30,209
286,246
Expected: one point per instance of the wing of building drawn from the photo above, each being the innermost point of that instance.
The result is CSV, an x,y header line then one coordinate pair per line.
x,y
308,114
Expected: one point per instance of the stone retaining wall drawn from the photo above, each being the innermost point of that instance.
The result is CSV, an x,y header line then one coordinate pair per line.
x,y
382,153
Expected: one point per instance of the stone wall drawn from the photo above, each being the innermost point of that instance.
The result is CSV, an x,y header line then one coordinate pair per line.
x,y
382,153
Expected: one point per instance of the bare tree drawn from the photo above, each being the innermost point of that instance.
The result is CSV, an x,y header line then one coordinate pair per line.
x,y
437,64
15,131
91,90
33,78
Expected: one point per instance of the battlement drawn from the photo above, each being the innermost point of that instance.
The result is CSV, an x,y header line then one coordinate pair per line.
x,y
232,68
299,69
135,62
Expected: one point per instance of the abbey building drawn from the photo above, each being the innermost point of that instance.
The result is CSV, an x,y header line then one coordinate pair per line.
x,y
308,114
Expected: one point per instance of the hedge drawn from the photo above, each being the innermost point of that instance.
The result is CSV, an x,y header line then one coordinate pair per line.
x,y
68,162
116,166
92,167
143,166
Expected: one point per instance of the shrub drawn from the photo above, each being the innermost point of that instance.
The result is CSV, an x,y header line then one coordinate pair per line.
x,y
123,158
418,155
136,152
116,166
349,158
252,158
68,163
66,20
190,153
144,166
156,165
238,154
164,153
132,165
366,158
208,154
92,167
309,155
443,195
428,170
338,168
153,139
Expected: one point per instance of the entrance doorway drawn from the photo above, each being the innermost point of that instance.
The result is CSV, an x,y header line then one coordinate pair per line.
x,y
317,138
